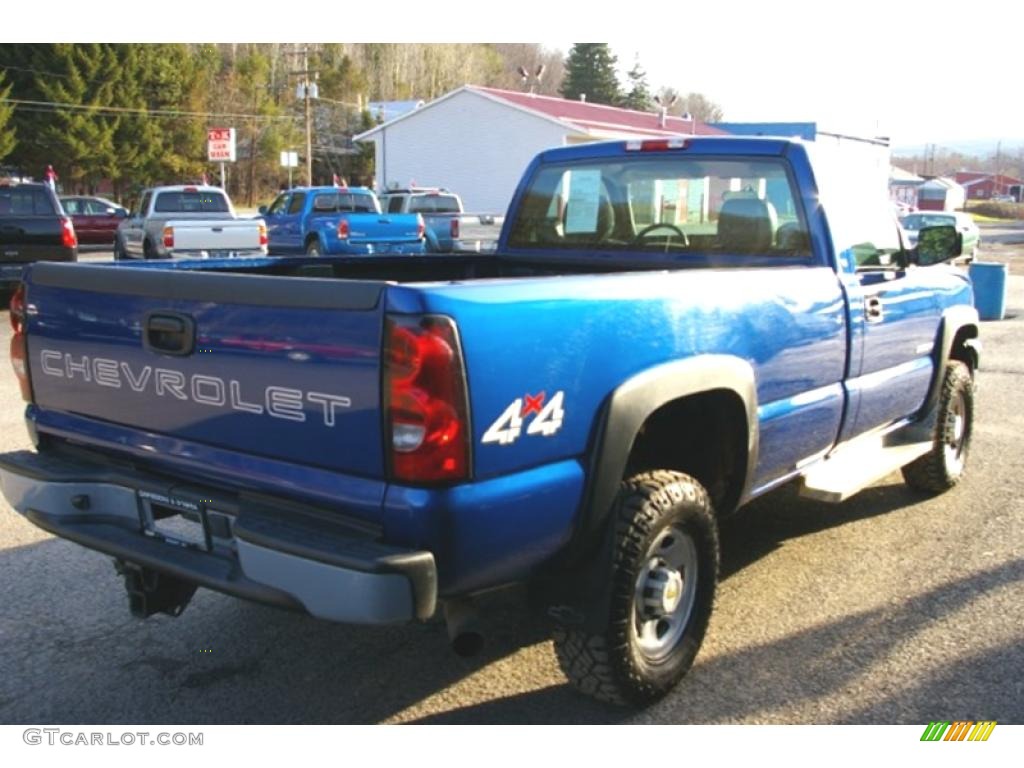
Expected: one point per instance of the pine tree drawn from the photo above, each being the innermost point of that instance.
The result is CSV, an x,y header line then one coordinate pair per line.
x,y
639,96
7,135
590,72
79,80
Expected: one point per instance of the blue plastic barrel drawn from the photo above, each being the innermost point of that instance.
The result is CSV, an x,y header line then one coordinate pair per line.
x,y
989,281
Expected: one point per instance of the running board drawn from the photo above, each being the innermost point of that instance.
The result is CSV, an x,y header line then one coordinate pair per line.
x,y
856,466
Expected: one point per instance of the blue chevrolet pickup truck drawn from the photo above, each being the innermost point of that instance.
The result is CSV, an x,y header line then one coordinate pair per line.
x,y
330,221
667,330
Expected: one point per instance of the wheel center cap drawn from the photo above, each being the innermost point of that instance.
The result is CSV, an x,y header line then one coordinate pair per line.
x,y
664,591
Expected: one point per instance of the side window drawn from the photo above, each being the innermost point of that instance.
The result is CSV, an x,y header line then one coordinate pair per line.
x,y
880,244
278,206
395,204
71,206
297,201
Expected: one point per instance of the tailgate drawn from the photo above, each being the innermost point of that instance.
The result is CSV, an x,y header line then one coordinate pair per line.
x,y
383,228
28,238
216,236
286,368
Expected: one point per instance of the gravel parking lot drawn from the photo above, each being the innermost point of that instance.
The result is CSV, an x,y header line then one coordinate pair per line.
x,y
888,608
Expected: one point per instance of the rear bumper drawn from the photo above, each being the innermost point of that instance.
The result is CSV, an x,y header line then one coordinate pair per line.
x,y
254,549
382,249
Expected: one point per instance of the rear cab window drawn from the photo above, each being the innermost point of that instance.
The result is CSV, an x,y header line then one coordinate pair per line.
x,y
357,202
434,203
26,201
734,206
199,201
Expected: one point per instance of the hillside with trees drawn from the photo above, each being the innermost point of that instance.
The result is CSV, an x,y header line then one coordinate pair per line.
x,y
126,115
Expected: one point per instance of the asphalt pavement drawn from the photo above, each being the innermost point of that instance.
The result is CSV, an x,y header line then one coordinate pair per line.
x,y
888,608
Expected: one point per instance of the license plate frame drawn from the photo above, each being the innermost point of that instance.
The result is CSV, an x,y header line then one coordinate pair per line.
x,y
174,520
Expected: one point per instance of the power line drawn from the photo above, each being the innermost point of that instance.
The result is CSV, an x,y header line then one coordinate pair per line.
x,y
55,106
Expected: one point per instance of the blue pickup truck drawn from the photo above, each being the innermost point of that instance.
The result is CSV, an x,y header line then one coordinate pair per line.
x,y
667,330
328,221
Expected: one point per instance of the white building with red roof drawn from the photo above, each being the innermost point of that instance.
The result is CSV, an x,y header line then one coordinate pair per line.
x,y
477,141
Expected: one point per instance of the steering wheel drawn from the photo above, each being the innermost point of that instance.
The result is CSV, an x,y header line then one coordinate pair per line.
x,y
673,232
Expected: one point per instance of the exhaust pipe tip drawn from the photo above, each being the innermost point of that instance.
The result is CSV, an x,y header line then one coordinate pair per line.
x,y
462,619
467,644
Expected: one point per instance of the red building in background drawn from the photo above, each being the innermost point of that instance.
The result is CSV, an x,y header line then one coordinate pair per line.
x,y
985,186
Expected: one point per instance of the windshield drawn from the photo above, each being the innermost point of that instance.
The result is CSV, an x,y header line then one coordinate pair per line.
x,y
663,204
919,221
191,202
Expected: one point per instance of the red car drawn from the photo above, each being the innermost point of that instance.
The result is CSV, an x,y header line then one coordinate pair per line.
x,y
95,218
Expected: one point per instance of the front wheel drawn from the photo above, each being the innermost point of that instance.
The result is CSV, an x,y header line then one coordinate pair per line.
x,y
663,576
943,466
119,253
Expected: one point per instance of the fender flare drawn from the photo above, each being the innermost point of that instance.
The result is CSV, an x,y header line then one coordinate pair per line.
x,y
954,320
314,235
629,406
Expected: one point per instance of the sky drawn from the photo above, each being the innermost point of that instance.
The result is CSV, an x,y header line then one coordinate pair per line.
x,y
917,71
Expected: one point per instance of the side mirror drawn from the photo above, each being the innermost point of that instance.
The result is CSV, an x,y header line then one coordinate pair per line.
x,y
263,210
121,213
938,244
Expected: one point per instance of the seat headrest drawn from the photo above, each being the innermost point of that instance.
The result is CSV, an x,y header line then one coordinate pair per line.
x,y
746,224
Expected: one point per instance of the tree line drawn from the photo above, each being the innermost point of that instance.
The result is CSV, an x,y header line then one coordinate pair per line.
x,y
132,115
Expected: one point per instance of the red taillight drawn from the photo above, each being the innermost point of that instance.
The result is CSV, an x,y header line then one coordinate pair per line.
x,y
168,237
263,235
656,145
343,229
18,309
421,228
19,345
454,227
427,414
67,234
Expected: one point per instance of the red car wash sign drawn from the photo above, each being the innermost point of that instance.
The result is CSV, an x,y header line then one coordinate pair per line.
x,y
220,145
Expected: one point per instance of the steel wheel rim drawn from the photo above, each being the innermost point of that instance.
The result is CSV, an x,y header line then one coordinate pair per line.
x,y
665,594
956,432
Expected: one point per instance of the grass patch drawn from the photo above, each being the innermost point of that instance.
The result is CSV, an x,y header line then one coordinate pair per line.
x,y
989,211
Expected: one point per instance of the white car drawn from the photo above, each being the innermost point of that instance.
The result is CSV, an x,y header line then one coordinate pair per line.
x,y
914,222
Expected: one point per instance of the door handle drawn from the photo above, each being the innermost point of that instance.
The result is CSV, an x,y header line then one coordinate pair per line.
x,y
873,312
169,333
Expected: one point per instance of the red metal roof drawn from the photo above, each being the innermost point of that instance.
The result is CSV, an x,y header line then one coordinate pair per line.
x,y
969,177
600,117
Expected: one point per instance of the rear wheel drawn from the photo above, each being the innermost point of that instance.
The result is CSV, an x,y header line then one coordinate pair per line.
x,y
313,248
943,466
148,251
663,576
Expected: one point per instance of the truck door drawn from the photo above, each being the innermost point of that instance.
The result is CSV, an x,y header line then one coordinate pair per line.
x,y
132,233
274,217
894,319
285,233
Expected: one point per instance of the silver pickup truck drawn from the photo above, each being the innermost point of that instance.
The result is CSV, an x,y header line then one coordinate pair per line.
x,y
187,221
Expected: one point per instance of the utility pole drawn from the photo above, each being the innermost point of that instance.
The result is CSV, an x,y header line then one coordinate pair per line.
x,y
309,92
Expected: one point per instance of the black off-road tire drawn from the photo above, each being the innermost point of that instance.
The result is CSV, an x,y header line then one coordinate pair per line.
x,y
944,465
119,252
313,247
148,251
611,665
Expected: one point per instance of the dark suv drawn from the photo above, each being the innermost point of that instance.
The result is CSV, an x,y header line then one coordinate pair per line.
x,y
33,227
